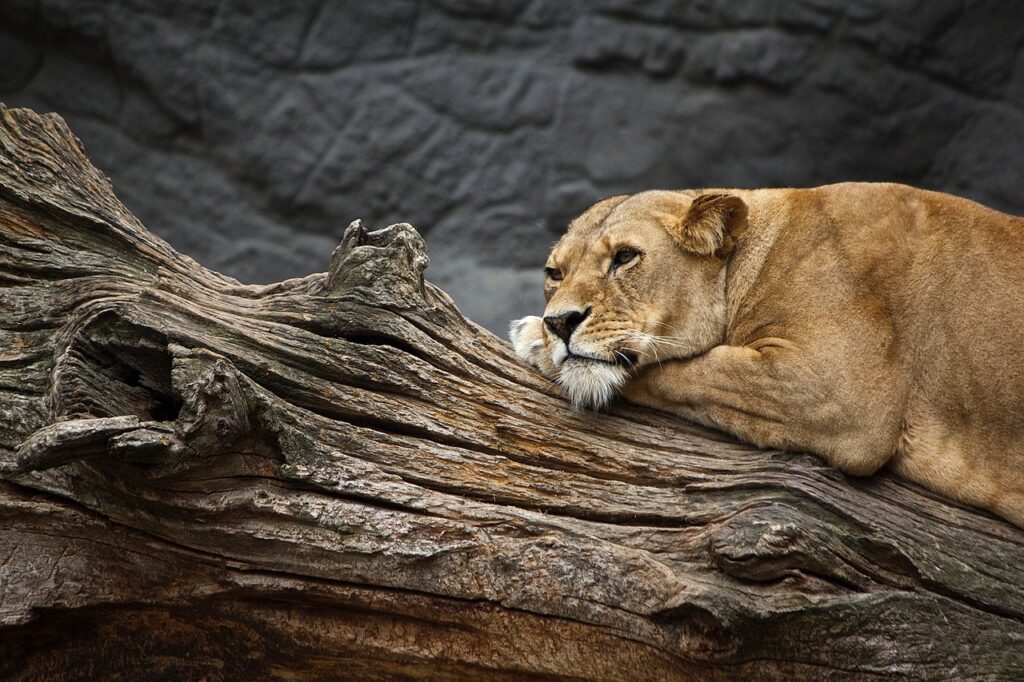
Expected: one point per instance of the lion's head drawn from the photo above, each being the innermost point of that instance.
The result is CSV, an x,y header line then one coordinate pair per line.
x,y
637,280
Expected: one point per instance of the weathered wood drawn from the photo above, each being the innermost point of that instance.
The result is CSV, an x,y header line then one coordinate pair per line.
x,y
340,475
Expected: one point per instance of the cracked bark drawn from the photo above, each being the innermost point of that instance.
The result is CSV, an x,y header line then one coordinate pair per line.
x,y
340,475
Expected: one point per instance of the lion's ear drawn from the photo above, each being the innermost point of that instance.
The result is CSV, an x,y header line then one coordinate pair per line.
x,y
712,225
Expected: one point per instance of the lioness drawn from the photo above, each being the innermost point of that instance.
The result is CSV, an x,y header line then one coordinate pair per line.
x,y
871,324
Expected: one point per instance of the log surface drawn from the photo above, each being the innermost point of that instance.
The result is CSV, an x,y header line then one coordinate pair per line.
x,y
340,475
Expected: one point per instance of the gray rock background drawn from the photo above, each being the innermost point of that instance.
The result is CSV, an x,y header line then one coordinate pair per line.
x,y
249,133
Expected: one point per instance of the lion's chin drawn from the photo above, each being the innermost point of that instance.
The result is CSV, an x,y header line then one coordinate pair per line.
x,y
591,384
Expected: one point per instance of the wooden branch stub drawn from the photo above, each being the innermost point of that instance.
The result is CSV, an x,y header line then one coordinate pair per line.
x,y
69,441
386,265
340,474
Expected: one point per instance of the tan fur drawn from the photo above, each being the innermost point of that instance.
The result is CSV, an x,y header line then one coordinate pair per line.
x,y
872,324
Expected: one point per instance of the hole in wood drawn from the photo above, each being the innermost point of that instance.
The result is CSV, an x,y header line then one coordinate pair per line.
x,y
113,368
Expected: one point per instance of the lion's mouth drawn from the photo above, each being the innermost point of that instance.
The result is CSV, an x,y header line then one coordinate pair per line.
x,y
620,358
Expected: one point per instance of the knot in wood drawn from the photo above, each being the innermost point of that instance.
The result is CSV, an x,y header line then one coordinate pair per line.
x,y
758,544
215,409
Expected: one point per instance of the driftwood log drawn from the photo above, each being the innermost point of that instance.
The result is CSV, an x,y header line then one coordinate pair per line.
x,y
339,476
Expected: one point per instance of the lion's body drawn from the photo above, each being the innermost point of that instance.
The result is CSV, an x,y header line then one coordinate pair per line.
x,y
872,324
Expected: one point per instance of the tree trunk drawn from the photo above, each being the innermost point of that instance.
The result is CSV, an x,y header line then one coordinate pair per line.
x,y
340,476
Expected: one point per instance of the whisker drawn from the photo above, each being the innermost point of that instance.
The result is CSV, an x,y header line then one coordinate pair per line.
x,y
656,344
666,341
652,343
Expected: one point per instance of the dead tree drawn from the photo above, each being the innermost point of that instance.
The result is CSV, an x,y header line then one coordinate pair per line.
x,y
341,476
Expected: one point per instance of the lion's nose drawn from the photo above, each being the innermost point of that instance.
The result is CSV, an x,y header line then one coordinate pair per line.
x,y
565,324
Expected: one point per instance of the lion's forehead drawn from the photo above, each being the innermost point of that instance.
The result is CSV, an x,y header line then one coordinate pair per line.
x,y
623,209
576,250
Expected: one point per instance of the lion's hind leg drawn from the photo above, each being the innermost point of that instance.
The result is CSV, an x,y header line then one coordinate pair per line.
x,y
970,465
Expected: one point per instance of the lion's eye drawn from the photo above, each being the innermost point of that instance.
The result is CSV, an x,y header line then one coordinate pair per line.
x,y
554,274
623,256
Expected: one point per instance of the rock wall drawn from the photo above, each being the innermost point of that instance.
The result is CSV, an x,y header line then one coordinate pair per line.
x,y
249,133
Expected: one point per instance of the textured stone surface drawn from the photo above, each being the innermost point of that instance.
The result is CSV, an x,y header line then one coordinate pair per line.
x,y
251,133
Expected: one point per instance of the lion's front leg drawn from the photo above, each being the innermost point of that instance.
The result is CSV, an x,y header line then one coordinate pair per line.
x,y
726,388
775,399
531,344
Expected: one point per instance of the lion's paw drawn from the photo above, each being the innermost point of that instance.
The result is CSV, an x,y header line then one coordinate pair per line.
x,y
527,337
